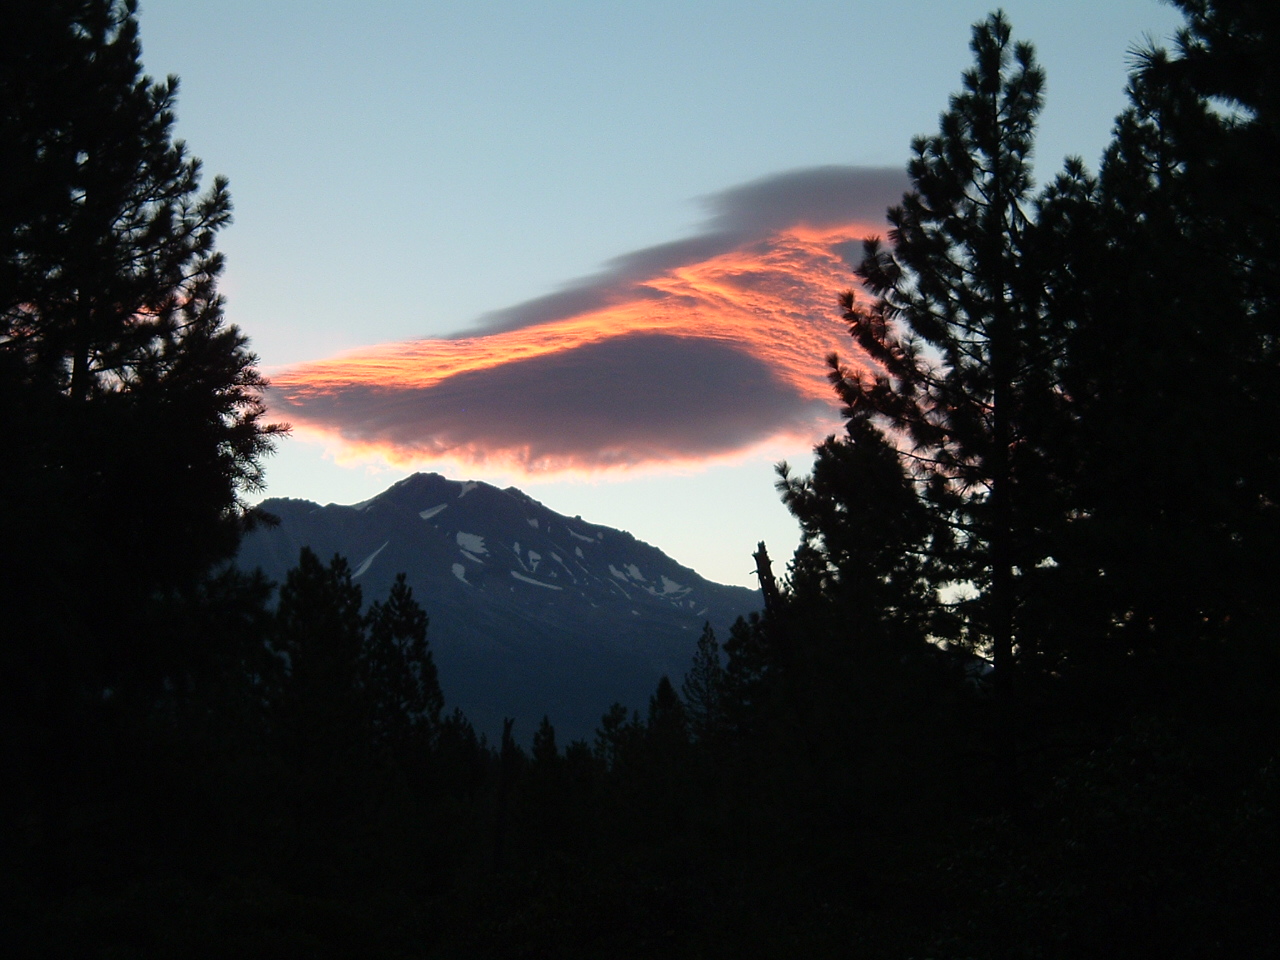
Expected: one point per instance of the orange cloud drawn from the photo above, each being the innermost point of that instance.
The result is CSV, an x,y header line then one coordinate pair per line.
x,y
693,351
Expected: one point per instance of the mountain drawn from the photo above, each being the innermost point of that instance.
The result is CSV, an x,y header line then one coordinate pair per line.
x,y
531,612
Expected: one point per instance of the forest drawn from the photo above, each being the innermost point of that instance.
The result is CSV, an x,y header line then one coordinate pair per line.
x,y
1014,695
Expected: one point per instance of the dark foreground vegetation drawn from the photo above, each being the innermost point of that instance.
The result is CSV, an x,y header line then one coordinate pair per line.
x,y
1015,697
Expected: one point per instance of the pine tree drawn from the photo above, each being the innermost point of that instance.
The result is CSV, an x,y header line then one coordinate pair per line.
x,y
133,416
319,632
1173,366
399,673
749,665
109,259
703,689
867,540
545,752
619,738
133,413
667,729
964,363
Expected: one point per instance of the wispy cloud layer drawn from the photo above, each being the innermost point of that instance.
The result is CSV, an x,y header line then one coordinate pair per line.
x,y
697,349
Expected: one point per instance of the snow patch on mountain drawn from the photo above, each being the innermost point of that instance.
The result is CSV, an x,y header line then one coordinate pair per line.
x,y
460,572
365,564
537,583
614,571
431,511
669,586
565,566
467,487
472,543
577,536
532,521
635,573
535,558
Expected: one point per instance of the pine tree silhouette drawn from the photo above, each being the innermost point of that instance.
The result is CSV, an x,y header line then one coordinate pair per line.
x,y
964,361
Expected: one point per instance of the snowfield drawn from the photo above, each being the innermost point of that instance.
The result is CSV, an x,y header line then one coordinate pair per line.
x,y
368,561
537,583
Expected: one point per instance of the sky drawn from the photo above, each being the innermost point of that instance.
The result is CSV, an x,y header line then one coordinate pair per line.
x,y
592,250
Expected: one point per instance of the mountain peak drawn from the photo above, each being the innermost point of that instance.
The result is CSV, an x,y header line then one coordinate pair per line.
x,y
532,612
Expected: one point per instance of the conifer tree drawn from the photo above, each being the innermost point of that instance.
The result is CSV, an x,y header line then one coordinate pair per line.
x,y
703,689
964,364
134,416
140,398
619,738
319,631
867,540
399,672
749,660
1173,366
545,752
132,412
667,724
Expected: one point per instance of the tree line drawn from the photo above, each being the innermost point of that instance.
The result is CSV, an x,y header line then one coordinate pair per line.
x,y
1013,696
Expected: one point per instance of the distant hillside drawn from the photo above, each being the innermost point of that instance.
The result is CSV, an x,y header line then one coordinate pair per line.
x,y
531,612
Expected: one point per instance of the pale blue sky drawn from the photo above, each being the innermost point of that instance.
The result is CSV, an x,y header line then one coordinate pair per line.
x,y
400,169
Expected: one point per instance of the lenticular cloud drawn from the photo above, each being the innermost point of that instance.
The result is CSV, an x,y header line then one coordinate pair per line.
x,y
699,349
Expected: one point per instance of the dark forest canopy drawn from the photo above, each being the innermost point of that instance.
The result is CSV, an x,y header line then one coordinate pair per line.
x,y
1015,696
